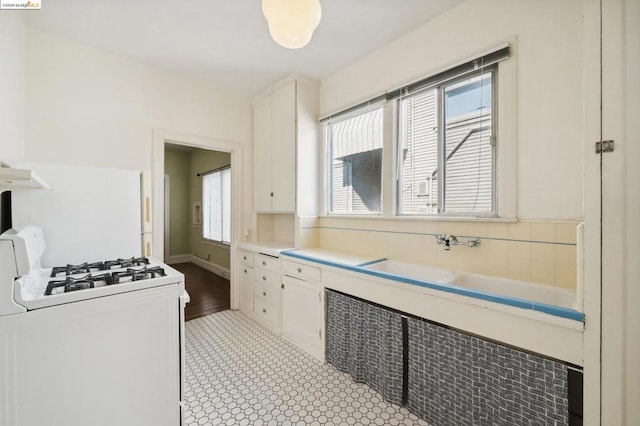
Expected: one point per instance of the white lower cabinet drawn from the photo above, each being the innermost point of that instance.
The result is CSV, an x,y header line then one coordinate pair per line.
x,y
260,287
246,281
285,296
303,307
266,288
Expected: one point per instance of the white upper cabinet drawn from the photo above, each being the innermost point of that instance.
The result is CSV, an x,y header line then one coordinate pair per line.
x,y
262,158
285,148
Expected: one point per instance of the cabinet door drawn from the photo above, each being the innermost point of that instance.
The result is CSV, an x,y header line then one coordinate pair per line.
x,y
302,312
246,288
284,149
262,155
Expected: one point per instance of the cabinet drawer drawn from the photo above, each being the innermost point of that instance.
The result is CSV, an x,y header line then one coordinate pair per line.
x,y
266,312
267,262
299,270
266,277
246,257
267,292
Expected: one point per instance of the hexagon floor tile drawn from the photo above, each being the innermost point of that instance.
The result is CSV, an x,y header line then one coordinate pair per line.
x,y
240,373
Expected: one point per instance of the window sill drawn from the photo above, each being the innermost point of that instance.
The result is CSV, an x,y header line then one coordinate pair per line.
x,y
216,243
422,218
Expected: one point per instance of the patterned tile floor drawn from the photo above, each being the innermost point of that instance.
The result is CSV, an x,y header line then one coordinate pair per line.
x,y
239,373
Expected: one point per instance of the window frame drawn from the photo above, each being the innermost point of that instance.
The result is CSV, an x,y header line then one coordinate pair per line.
x,y
504,98
206,208
440,87
328,161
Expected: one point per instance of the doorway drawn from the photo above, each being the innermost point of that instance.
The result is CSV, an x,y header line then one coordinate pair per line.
x,y
183,223
197,224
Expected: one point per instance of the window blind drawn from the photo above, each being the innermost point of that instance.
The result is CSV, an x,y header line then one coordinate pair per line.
x,y
493,56
469,66
216,203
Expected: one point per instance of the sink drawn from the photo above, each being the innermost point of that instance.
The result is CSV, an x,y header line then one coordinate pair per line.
x,y
411,270
513,288
489,285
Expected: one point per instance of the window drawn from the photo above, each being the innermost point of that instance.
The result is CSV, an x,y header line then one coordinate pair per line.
x,y
216,206
355,175
446,150
439,139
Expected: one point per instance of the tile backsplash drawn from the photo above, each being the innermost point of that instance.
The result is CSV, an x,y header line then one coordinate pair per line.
x,y
537,251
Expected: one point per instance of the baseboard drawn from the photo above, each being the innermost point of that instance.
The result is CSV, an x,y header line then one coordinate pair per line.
x,y
209,266
178,258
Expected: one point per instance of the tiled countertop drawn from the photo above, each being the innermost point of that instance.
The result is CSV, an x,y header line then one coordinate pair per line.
x,y
357,263
331,258
272,248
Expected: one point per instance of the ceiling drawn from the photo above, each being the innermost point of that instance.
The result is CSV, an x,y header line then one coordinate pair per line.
x,y
226,43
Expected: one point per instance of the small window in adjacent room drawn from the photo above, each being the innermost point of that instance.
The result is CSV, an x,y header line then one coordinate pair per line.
x,y
355,173
216,206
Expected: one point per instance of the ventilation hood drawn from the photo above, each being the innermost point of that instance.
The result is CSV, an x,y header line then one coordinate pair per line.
x,y
12,179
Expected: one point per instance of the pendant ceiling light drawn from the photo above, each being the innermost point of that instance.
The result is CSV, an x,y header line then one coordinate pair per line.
x,y
292,22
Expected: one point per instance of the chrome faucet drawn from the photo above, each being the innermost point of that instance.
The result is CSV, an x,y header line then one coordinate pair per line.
x,y
452,240
448,240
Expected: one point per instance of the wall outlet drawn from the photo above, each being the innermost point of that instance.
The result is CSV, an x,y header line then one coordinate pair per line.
x,y
246,232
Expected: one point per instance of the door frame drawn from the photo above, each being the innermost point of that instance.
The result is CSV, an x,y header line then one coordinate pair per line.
x,y
611,202
167,216
162,137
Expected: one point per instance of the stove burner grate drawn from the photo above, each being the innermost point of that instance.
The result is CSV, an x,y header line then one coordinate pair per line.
x,y
132,274
76,283
91,281
83,268
126,263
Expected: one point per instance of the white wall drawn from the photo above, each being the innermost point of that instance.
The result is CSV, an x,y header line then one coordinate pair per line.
x,y
86,106
548,52
12,85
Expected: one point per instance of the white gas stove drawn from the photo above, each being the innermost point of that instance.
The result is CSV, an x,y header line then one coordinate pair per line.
x,y
105,339
36,287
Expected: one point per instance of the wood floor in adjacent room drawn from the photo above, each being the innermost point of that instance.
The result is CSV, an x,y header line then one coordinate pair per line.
x,y
209,292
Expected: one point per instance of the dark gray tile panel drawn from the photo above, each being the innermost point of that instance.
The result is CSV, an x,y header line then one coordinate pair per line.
x,y
365,340
456,379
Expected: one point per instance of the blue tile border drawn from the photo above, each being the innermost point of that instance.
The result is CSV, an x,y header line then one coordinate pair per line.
x,y
559,311
448,288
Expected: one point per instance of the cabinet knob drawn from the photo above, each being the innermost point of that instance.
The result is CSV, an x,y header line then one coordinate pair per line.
x,y
264,263
244,257
245,271
272,194
264,278
299,270
264,293
264,311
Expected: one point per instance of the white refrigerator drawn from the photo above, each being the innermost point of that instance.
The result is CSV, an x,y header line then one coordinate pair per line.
x,y
89,214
